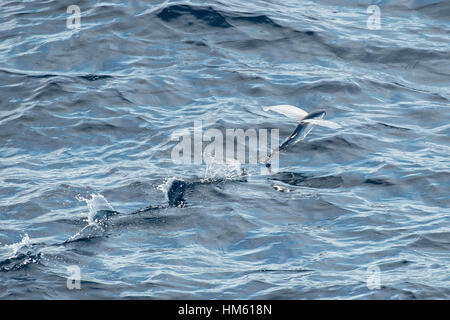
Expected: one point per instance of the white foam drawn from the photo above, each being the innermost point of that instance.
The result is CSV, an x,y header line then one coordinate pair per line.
x,y
96,203
165,186
231,169
15,247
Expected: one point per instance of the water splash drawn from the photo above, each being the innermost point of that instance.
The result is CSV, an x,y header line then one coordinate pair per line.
x,y
173,190
98,207
166,185
15,247
219,170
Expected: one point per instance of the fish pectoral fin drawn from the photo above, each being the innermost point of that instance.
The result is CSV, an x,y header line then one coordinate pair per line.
x,y
288,111
323,123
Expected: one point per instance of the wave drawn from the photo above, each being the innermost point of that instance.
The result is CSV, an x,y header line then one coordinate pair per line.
x,y
207,15
210,16
300,179
21,254
20,261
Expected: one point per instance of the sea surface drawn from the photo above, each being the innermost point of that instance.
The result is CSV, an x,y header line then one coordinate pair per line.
x,y
89,189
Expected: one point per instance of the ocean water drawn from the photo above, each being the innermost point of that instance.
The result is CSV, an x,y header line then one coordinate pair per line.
x,y
89,189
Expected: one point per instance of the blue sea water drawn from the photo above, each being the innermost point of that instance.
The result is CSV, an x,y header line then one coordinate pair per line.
x,y
87,178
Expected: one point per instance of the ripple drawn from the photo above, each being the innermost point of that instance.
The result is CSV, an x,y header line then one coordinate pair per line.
x,y
92,113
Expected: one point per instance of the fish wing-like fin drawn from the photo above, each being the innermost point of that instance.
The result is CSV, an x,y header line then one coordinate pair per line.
x,y
288,111
323,123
